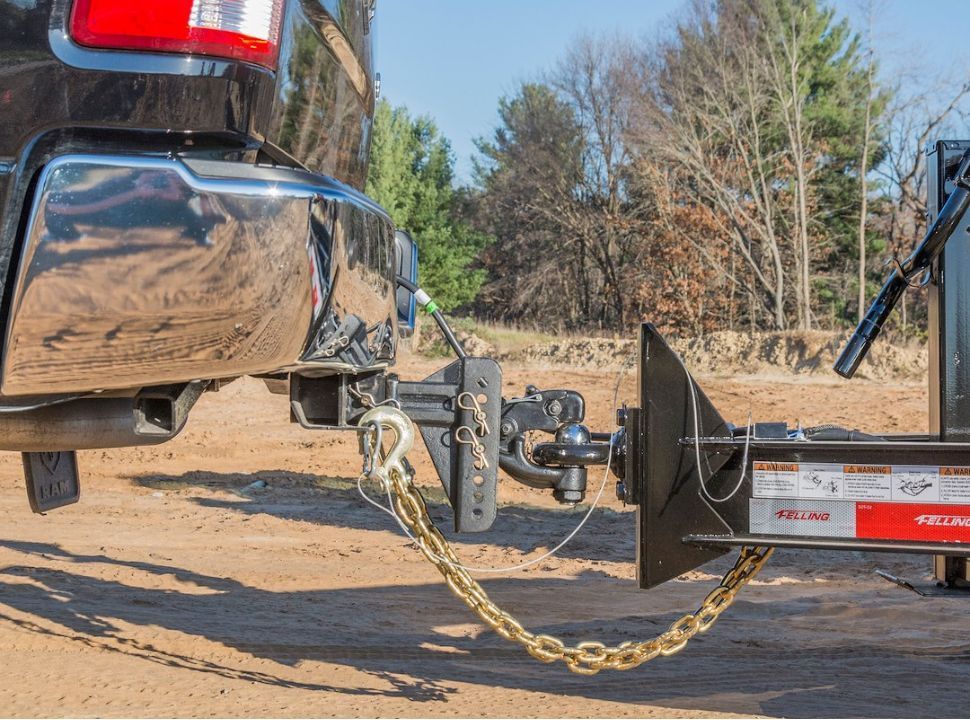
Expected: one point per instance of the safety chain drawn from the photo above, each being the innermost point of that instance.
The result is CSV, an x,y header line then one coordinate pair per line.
x,y
586,658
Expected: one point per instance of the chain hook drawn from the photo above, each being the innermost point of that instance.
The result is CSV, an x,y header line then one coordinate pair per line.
x,y
388,417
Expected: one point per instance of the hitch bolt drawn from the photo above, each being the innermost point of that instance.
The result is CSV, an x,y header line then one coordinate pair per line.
x,y
554,407
621,491
506,428
569,497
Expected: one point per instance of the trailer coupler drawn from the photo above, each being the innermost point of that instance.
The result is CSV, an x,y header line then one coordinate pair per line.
x,y
701,484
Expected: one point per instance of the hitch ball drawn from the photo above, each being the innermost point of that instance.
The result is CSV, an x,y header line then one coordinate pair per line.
x,y
571,488
573,434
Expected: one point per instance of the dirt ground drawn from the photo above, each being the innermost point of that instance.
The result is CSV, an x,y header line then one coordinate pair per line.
x,y
173,589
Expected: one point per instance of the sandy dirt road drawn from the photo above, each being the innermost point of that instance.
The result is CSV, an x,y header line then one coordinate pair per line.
x,y
172,590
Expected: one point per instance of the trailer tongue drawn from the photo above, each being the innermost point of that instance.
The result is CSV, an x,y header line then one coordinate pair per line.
x,y
704,485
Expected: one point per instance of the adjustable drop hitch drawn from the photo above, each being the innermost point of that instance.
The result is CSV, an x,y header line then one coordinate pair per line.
x,y
471,431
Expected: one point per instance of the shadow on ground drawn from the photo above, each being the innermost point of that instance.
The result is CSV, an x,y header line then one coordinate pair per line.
x,y
743,666
336,502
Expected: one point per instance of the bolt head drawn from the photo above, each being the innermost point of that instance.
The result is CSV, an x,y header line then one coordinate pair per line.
x,y
569,497
554,407
621,491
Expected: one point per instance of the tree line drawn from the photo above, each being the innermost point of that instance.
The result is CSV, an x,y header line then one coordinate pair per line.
x,y
751,169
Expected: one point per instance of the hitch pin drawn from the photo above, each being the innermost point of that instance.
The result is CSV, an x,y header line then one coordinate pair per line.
x,y
481,419
478,450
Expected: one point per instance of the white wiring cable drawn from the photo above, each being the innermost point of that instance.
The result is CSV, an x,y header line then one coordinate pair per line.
x,y
469,568
528,563
697,445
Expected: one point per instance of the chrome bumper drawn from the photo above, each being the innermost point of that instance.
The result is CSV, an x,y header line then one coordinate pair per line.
x,y
140,271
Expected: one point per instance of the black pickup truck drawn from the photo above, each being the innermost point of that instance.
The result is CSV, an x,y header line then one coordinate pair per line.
x,y
180,205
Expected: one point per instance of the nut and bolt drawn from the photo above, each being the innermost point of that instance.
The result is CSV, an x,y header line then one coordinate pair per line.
x,y
569,497
554,407
621,491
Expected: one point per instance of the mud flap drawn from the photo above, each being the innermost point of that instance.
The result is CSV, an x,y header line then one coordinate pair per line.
x,y
670,505
52,479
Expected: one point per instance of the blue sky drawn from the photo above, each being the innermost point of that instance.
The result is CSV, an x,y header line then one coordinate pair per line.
x,y
453,59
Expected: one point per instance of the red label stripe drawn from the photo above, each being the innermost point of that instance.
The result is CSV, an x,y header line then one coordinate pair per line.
x,y
913,521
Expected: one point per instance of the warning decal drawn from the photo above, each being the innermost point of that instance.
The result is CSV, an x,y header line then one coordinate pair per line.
x,y
868,482
921,503
820,481
954,484
775,479
882,483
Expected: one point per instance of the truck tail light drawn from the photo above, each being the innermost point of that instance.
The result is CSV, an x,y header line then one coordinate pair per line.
x,y
239,29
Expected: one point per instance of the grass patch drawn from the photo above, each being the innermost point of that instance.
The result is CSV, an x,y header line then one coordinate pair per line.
x,y
504,338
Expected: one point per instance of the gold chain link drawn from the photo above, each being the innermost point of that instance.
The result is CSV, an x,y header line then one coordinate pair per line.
x,y
586,658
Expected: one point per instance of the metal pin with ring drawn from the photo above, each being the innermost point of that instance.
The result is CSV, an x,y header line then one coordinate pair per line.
x,y
478,450
481,418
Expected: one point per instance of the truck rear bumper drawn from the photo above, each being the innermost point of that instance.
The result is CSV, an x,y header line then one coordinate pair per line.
x,y
147,270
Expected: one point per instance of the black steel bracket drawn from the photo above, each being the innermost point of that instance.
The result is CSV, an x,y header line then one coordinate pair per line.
x,y
664,472
457,410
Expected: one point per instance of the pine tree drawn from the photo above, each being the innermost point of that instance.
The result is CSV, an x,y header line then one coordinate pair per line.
x,y
527,173
411,173
840,101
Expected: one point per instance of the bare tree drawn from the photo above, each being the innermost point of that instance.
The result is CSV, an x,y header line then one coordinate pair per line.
x,y
915,119
701,113
784,43
592,79
867,129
